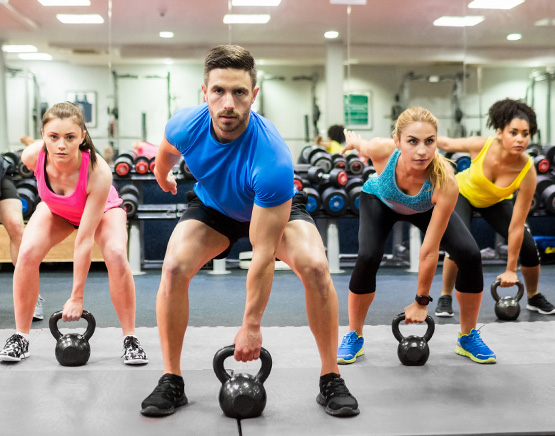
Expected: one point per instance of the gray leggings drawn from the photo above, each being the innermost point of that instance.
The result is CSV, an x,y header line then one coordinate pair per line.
x,y
376,222
499,217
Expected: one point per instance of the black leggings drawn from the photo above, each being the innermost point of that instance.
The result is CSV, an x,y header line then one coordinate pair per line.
x,y
376,222
499,217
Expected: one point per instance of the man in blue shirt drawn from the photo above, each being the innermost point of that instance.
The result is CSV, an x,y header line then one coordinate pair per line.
x,y
244,188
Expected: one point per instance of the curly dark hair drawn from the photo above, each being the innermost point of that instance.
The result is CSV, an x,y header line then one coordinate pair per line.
x,y
336,133
502,112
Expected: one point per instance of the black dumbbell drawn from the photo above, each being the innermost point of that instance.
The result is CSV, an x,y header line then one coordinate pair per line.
x,y
549,152
313,204
334,201
130,196
11,163
184,168
335,177
124,163
548,198
298,182
142,165
367,172
317,156
355,166
28,193
542,164
534,149
353,189
22,168
338,161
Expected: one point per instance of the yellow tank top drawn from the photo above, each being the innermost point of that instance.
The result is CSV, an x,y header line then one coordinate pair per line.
x,y
482,192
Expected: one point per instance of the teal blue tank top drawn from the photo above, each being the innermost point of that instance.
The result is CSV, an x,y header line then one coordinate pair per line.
x,y
384,186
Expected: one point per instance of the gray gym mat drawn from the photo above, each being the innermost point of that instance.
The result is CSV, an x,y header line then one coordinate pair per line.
x,y
450,395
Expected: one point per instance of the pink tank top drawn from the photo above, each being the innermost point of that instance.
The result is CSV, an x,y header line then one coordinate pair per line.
x,y
71,206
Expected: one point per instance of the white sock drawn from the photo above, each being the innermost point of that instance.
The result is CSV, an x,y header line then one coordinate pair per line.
x,y
25,335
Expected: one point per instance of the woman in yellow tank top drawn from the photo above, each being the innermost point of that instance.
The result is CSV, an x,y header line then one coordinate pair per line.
x,y
499,167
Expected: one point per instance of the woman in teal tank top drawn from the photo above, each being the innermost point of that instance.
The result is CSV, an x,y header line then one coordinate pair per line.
x,y
414,183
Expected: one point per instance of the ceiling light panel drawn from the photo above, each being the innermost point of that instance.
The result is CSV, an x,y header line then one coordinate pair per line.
x,y
467,21
246,18
255,2
35,56
494,4
80,18
19,49
65,2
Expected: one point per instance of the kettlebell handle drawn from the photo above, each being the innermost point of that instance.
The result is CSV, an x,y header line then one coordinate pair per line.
x,y
56,316
225,352
496,284
401,317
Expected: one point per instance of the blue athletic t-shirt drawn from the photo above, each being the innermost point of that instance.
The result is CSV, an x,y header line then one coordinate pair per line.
x,y
384,186
256,168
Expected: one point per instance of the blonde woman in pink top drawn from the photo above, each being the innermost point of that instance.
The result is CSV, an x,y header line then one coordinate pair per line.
x,y
75,186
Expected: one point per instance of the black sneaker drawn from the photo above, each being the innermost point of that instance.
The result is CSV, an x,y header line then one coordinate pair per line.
x,y
336,397
444,307
133,353
16,348
169,394
539,304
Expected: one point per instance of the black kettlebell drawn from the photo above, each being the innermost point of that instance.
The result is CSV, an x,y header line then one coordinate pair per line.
x,y
507,308
242,395
413,350
72,349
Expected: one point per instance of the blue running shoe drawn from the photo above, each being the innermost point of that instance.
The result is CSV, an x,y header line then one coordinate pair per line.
x,y
352,346
472,346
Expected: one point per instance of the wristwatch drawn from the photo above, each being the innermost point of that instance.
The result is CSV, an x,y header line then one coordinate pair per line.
x,y
423,300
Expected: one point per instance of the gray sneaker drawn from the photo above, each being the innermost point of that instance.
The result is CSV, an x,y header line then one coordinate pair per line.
x,y
16,348
444,307
39,312
133,353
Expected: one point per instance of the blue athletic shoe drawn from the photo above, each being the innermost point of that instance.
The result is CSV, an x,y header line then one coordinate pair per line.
x,y
352,346
472,346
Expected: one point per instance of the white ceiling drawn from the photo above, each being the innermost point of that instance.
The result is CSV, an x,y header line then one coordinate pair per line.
x,y
380,32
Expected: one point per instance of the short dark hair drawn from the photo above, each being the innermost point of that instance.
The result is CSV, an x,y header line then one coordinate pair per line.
x,y
230,56
336,133
502,112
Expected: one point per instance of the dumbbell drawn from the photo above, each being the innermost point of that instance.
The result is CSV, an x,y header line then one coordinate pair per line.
x,y
548,198
462,161
368,171
354,164
353,190
22,168
334,201
11,162
152,164
313,203
318,156
124,163
543,182
298,182
338,161
549,152
542,164
303,155
534,149
535,204
142,164
28,193
130,196
336,176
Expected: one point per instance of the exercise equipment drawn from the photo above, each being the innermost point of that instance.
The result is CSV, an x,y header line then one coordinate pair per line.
x,y
534,149
548,198
462,161
338,161
124,163
335,177
334,201
367,172
11,163
152,164
353,189
72,349
22,168
354,164
298,182
142,164
29,196
317,156
187,174
549,152
542,164
507,308
313,203
242,395
130,196
413,350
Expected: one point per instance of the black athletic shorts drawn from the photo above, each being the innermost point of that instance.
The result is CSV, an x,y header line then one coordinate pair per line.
x,y
8,189
231,228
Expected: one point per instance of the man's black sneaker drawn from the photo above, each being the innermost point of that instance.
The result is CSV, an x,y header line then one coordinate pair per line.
x,y
169,394
444,306
335,396
538,303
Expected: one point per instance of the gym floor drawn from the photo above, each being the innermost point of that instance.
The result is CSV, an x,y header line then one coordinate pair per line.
x,y
449,395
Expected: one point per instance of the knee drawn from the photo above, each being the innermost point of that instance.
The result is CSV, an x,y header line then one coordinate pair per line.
x,y
115,257
28,257
314,270
14,226
174,270
369,259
